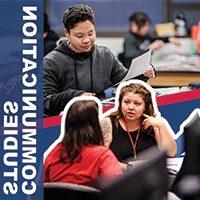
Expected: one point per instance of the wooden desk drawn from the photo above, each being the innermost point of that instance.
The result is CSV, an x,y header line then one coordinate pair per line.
x,y
168,79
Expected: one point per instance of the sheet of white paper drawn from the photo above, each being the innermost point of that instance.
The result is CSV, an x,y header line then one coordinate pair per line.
x,y
138,66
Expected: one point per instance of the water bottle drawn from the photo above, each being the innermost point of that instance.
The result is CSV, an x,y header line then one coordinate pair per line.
x,y
180,25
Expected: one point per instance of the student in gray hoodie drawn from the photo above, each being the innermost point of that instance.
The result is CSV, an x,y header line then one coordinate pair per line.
x,y
78,66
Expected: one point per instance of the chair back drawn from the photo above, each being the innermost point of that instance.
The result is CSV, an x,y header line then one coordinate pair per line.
x,y
69,191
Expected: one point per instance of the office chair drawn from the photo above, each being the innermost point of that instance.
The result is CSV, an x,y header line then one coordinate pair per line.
x,y
69,191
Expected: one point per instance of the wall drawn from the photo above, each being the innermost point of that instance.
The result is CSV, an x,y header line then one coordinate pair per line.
x,y
110,15
115,44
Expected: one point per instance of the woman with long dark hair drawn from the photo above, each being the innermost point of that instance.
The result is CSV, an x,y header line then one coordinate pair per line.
x,y
135,126
81,157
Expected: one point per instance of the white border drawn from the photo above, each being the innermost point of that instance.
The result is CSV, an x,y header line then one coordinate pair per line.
x,y
187,121
64,114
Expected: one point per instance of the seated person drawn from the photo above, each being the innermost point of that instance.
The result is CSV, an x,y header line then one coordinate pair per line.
x,y
137,40
134,125
50,37
81,157
79,67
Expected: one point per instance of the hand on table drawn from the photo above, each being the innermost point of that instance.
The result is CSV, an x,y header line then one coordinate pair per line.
x,y
157,44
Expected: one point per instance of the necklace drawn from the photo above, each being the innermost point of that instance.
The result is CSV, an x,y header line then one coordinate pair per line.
x,y
131,140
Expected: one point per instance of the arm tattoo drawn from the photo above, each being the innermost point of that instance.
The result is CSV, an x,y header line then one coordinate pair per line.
x,y
106,128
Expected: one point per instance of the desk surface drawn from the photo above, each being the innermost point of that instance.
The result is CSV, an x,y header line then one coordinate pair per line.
x,y
169,79
175,65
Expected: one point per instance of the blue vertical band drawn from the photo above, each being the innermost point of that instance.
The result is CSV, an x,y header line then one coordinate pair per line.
x,y
21,104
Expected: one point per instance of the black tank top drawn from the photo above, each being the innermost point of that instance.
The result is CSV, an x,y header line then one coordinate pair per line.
x,y
121,144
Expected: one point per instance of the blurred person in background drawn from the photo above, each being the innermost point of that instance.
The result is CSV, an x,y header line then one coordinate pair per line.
x,y
138,40
50,37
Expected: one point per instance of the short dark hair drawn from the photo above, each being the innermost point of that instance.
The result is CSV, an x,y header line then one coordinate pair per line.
x,y
77,13
140,19
82,127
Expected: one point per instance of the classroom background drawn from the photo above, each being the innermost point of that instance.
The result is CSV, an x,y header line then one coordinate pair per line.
x,y
112,23
178,68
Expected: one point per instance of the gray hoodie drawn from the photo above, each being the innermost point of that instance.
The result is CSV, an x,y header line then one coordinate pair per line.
x,y
68,74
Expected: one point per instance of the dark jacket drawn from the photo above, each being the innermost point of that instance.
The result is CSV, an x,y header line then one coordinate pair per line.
x,y
68,74
135,45
50,41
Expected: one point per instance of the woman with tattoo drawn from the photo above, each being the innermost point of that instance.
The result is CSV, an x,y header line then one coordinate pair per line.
x,y
135,126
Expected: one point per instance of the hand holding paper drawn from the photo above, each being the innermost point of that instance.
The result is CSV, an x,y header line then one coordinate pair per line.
x,y
140,66
150,72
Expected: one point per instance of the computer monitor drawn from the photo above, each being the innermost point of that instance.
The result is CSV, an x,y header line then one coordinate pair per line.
x,y
187,182
145,181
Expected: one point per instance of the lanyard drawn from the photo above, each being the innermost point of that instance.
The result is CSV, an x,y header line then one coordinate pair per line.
x,y
132,143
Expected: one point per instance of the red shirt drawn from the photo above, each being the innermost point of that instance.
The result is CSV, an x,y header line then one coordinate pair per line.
x,y
97,161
